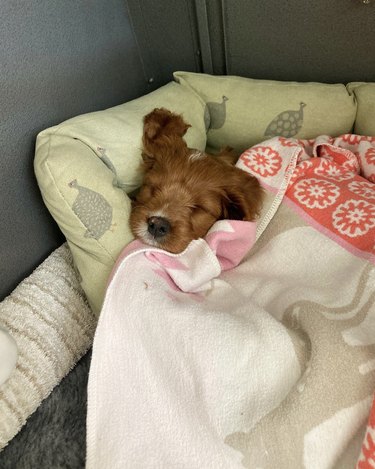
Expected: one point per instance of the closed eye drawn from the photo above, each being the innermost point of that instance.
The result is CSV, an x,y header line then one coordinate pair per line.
x,y
204,209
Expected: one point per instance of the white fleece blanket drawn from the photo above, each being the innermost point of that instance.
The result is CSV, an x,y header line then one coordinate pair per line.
x,y
183,356
235,355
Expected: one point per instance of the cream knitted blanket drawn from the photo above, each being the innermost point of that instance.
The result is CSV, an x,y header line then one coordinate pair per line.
x,y
52,326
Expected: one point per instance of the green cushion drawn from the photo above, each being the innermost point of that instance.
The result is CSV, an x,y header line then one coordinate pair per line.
x,y
241,112
85,168
365,96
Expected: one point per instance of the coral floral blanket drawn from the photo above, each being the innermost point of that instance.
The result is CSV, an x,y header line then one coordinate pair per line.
x,y
255,347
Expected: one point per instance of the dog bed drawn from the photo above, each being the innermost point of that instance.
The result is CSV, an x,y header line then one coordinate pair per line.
x,y
92,211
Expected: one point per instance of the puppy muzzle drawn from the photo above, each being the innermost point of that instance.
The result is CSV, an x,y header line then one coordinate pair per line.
x,y
158,227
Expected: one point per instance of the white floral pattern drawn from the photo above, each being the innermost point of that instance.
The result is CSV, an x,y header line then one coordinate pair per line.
x,y
333,184
363,188
353,139
288,142
300,171
352,164
263,160
370,156
316,193
354,218
331,170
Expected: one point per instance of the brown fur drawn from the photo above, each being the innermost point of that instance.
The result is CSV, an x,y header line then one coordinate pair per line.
x,y
191,194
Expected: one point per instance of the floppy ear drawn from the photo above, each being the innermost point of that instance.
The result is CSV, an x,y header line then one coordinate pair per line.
x,y
243,196
162,122
163,149
162,135
148,161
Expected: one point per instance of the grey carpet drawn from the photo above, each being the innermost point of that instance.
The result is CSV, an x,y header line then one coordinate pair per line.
x,y
54,437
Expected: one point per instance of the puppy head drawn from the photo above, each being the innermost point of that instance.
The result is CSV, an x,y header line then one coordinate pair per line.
x,y
185,191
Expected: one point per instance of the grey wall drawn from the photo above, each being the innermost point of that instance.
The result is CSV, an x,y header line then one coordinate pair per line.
x,y
166,33
279,39
320,40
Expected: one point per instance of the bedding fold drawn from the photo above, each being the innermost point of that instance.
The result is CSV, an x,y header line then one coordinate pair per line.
x,y
255,347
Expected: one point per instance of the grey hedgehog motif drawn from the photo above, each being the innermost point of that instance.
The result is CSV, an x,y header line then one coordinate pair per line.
x,y
215,114
93,210
286,124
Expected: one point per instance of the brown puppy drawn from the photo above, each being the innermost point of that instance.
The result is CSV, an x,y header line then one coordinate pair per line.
x,y
186,191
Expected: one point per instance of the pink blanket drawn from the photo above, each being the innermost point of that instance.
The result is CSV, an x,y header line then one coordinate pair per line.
x,y
332,186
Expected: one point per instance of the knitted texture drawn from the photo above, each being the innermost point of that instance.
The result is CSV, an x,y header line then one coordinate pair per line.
x,y
49,318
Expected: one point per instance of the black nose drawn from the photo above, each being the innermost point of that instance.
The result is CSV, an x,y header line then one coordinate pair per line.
x,y
158,226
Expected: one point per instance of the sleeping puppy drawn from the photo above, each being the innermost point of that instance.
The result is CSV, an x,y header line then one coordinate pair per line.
x,y
185,191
